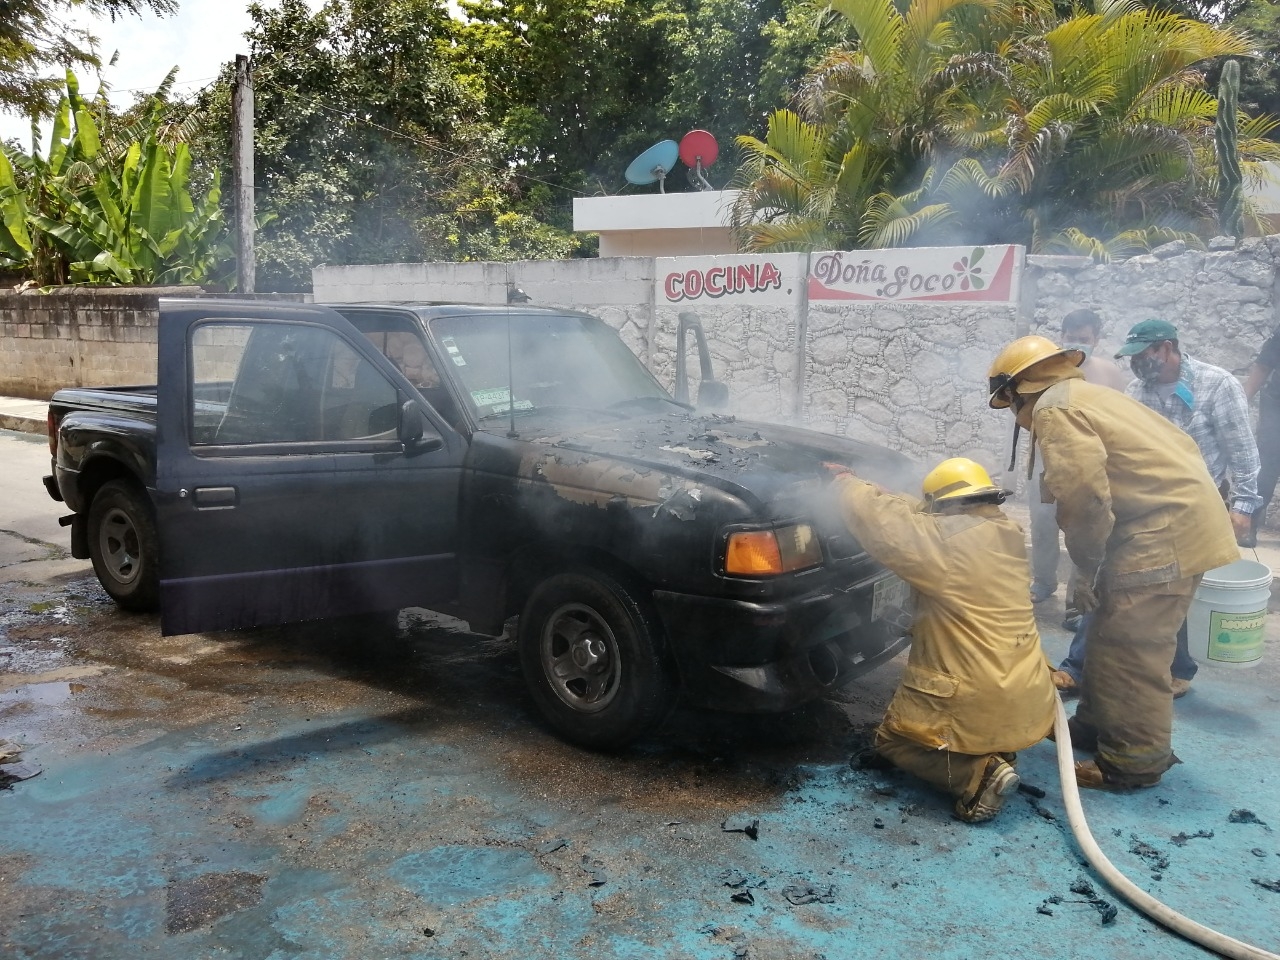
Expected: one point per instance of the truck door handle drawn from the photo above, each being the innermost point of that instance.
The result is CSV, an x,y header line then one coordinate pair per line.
x,y
215,498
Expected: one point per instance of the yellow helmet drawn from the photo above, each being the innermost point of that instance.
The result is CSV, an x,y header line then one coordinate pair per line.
x,y
1017,358
957,478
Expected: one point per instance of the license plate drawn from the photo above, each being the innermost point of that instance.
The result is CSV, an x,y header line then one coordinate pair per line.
x,y
889,594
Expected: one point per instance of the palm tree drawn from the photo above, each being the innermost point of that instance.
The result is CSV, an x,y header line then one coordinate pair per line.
x,y
998,120
866,124
1110,129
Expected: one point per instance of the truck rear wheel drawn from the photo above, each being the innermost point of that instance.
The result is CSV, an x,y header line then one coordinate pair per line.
x,y
592,658
124,547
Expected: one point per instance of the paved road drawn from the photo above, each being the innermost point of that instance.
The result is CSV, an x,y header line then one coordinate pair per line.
x,y
320,793
26,511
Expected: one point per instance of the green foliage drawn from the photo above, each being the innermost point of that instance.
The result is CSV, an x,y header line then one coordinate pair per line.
x,y
1260,76
372,147
999,121
391,131
106,205
34,37
580,88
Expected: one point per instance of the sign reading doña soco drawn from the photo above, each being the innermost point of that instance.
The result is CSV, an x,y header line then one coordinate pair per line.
x,y
762,280
989,274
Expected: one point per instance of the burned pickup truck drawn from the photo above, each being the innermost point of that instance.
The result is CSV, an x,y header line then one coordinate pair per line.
x,y
298,462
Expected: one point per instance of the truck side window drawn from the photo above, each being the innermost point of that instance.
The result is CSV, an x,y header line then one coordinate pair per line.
x,y
395,336
263,382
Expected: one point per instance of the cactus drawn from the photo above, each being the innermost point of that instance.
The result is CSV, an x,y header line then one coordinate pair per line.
x,y
1230,193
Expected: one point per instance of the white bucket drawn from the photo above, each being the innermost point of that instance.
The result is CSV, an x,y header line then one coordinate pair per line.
x,y
1228,615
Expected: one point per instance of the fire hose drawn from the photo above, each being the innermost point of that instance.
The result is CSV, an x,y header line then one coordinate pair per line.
x,y
1198,933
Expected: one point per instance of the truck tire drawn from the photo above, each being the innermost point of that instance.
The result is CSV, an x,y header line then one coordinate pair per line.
x,y
124,547
592,658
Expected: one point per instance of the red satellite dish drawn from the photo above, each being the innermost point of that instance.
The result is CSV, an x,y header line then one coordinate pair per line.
x,y
698,148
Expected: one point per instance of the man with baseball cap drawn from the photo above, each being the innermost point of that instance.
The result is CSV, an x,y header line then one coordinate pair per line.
x,y
1210,405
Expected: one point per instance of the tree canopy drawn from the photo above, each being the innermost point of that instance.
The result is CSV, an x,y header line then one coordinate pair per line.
x,y
370,147
580,87
395,130
392,131
34,37
998,120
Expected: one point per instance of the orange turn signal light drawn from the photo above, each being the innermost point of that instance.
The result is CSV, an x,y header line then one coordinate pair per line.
x,y
753,553
765,553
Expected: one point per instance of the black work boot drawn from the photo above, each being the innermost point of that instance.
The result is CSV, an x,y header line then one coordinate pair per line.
x,y
1083,736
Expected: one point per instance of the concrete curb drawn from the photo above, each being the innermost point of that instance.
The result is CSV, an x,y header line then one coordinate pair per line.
x,y
24,416
23,424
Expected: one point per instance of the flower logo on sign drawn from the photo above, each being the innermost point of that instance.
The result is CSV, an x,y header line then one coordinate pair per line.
x,y
970,272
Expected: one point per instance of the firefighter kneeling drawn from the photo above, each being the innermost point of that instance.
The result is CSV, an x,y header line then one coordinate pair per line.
x,y
977,686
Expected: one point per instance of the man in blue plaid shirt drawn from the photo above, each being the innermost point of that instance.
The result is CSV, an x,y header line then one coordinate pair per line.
x,y
1208,403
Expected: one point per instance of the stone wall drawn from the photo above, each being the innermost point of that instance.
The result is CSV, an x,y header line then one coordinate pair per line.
x,y
1224,302
909,375
753,335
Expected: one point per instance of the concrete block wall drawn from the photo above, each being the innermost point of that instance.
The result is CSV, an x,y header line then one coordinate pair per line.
x,y
83,337
619,290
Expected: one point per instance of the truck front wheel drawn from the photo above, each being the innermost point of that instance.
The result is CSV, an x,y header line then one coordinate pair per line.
x,y
592,658
124,547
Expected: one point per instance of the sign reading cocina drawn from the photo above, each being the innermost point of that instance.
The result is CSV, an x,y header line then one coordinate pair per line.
x,y
990,274
743,279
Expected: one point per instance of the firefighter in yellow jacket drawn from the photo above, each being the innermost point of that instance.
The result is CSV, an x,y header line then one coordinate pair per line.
x,y
1142,521
977,686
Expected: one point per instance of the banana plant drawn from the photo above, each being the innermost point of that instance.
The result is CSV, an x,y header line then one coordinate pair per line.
x,y
109,210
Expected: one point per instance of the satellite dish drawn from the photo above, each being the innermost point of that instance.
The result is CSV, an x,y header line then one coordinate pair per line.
x,y
698,150
698,147
654,164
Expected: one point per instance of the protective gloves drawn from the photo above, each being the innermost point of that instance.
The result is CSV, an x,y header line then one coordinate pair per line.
x,y
1085,597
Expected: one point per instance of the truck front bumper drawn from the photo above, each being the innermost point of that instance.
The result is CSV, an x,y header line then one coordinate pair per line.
x,y
751,657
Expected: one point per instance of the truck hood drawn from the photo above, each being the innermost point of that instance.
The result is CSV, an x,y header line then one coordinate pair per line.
x,y
765,464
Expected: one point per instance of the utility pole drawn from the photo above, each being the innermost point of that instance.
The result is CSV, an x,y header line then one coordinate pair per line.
x,y
242,153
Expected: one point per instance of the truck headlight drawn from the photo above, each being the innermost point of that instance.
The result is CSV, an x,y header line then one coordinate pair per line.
x,y
765,553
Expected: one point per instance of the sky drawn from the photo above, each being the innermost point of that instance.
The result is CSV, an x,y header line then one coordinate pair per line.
x,y
199,38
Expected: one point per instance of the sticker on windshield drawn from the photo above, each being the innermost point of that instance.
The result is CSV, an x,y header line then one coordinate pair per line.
x,y
499,397
451,347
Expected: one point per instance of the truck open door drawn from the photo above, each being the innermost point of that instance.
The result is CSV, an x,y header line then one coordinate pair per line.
x,y
298,474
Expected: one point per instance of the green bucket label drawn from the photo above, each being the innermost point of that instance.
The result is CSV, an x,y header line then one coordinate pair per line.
x,y
1236,637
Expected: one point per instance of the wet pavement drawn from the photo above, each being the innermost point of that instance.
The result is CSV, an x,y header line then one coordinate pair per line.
x,y
324,792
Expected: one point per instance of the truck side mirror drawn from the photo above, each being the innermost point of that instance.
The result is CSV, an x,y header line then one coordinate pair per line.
x,y
415,433
711,392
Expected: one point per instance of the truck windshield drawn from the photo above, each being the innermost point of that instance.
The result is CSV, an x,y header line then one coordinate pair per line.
x,y
556,363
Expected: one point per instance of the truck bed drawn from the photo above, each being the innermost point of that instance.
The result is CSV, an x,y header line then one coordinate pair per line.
x,y
135,401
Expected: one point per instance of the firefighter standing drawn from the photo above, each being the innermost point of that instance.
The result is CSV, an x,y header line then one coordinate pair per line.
x,y
1142,521
977,685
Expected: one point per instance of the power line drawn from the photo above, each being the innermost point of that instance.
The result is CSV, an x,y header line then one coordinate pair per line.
x,y
207,81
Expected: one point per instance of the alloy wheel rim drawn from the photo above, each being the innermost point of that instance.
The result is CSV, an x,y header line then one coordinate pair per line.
x,y
119,546
579,656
